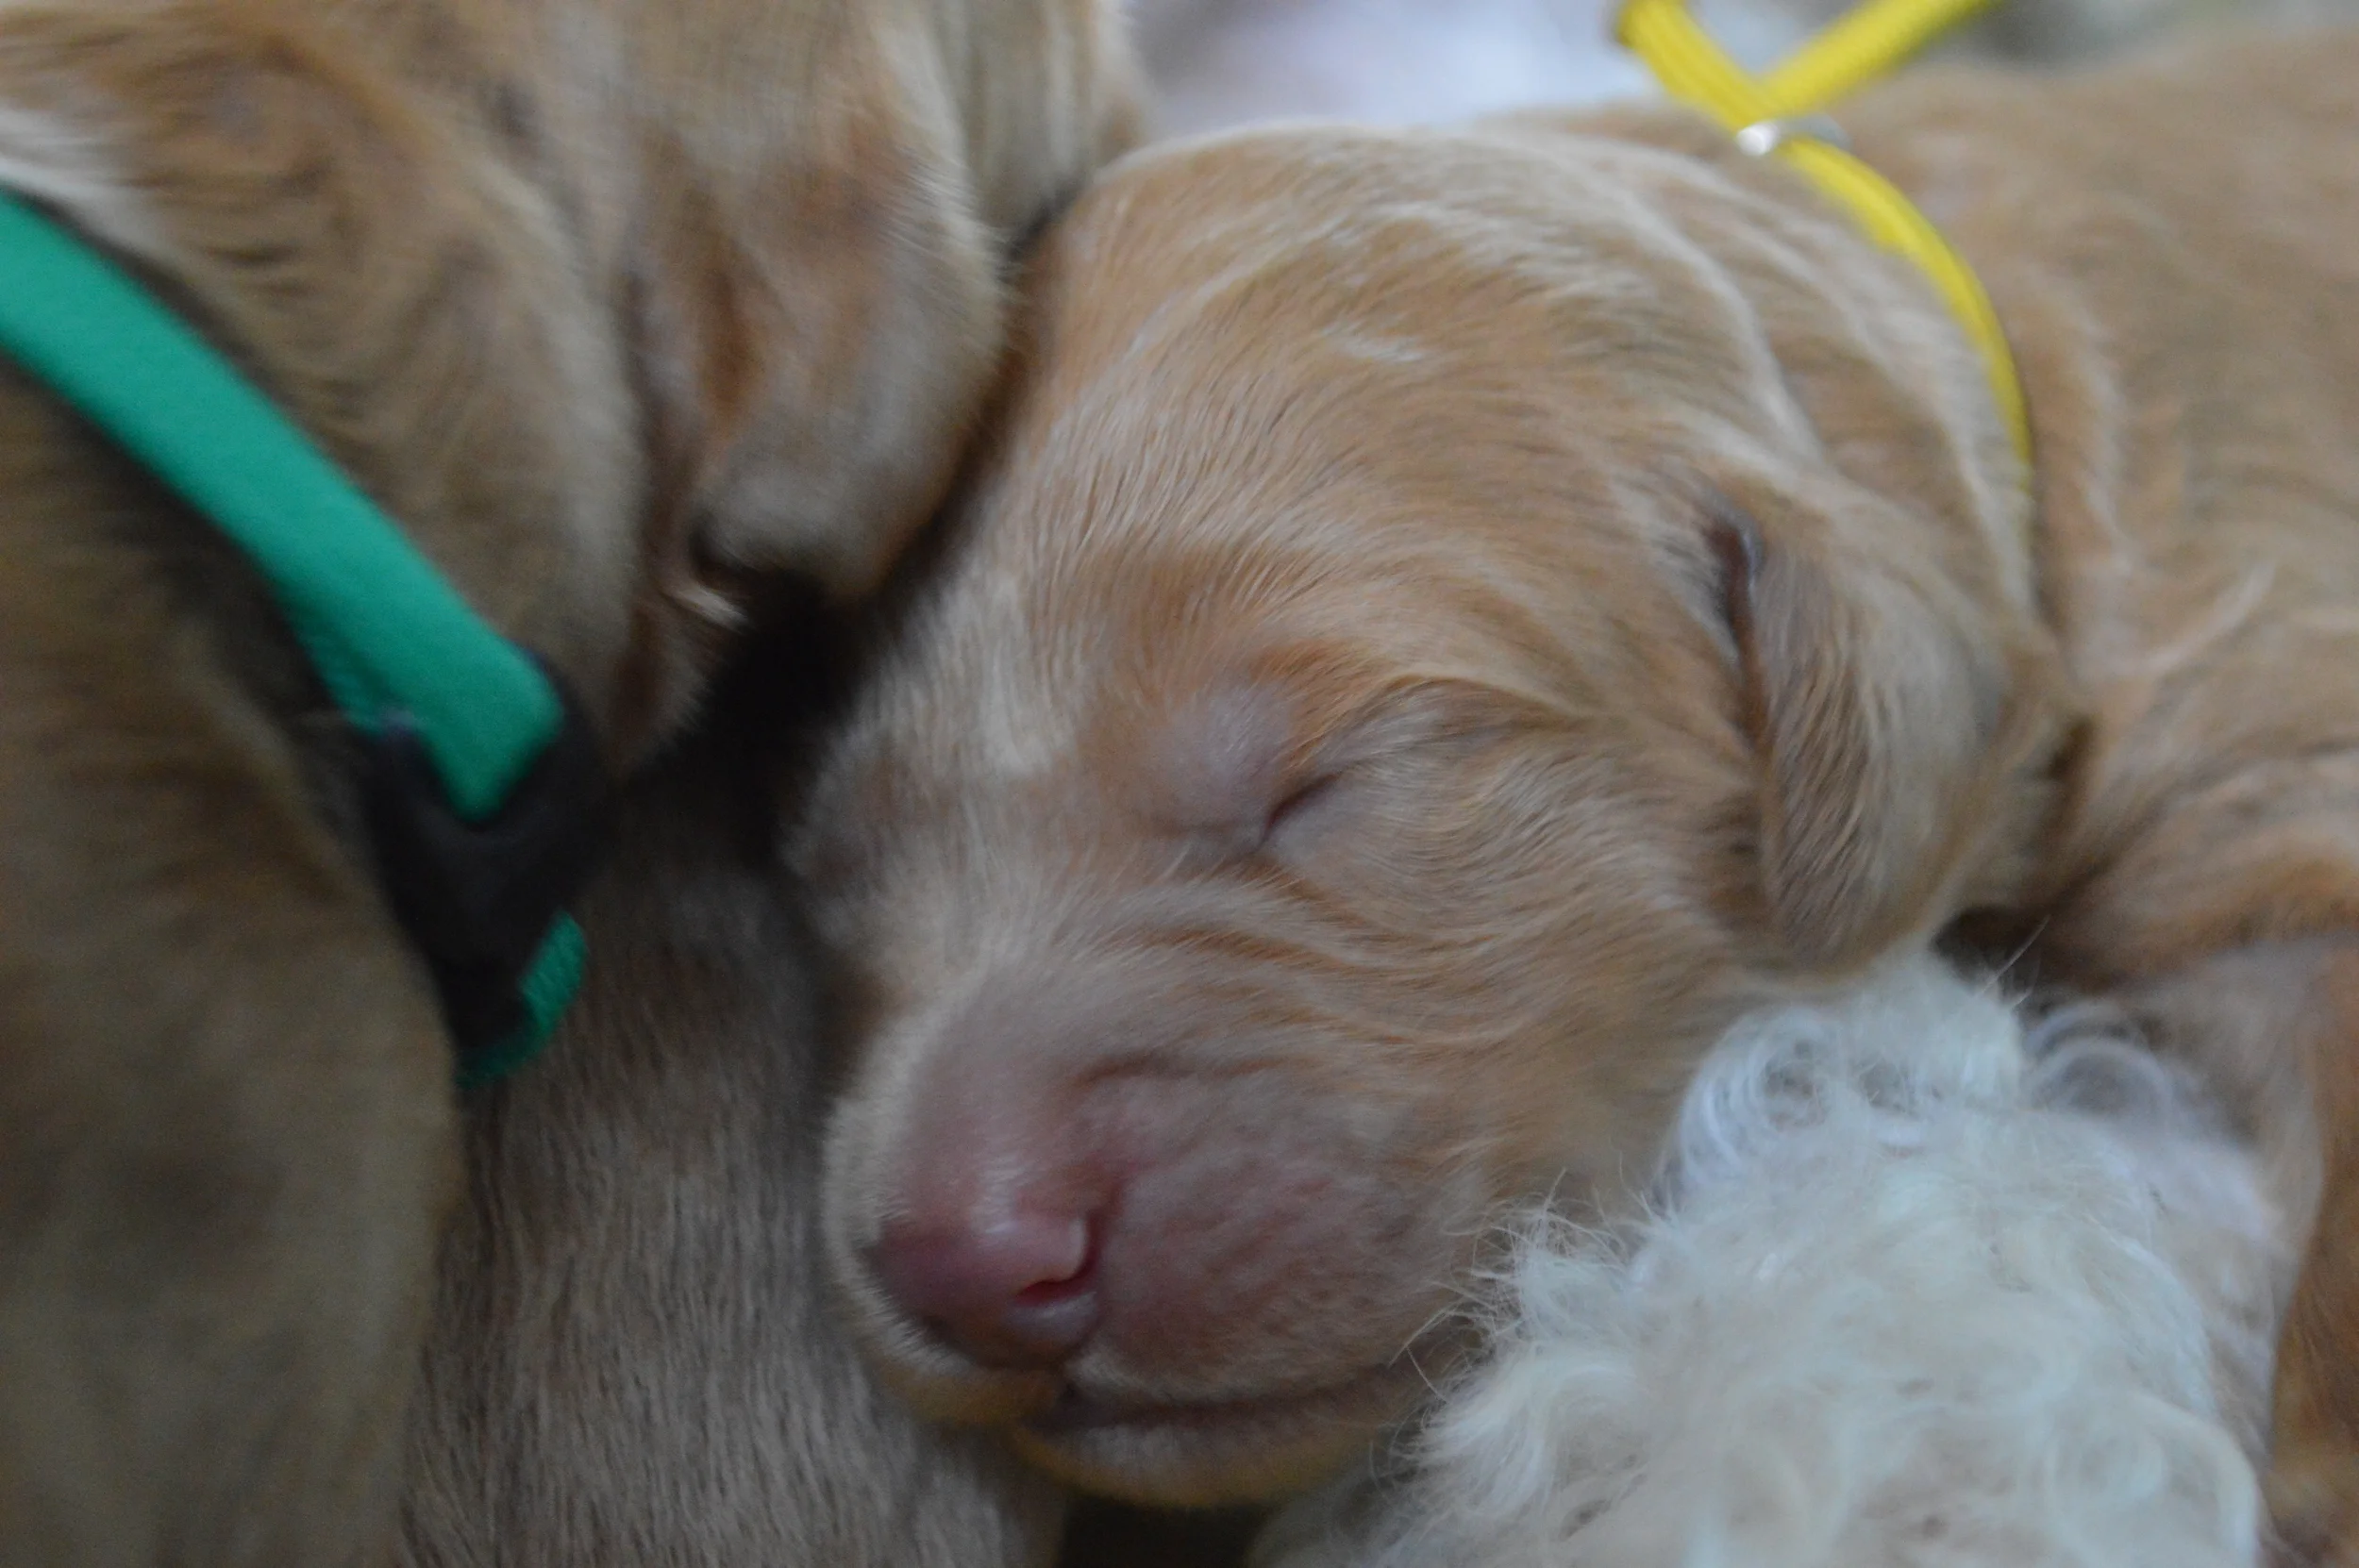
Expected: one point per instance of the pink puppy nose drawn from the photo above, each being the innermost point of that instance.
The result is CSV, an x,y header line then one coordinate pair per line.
x,y
1017,1291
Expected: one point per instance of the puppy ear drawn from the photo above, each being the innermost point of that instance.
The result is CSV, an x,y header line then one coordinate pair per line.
x,y
820,271
816,304
1903,727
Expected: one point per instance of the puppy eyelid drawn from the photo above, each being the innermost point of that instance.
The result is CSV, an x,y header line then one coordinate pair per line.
x,y
1291,806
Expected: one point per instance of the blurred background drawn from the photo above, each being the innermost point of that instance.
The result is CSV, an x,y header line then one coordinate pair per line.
x,y
1222,62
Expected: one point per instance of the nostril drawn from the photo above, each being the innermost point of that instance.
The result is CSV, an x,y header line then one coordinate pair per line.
x,y
1019,1291
1049,1292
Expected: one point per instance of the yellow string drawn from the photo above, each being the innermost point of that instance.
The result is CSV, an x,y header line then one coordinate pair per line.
x,y
1860,47
1873,39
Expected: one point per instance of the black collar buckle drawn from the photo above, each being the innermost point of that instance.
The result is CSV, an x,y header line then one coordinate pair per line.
x,y
479,898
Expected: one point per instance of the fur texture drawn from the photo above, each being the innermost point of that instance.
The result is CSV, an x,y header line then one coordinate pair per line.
x,y
616,308
1916,1289
1451,620
636,1356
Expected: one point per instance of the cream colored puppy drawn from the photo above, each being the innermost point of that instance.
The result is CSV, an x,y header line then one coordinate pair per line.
x,y
1453,618
613,308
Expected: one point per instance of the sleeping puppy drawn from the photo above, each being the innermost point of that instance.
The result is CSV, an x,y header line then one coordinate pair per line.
x,y
613,307
1451,620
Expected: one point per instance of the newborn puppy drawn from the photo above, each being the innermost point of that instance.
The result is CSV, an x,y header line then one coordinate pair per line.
x,y
612,307
1452,620
1917,1286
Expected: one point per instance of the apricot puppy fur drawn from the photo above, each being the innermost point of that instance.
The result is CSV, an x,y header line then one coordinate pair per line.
x,y
614,306
1452,619
635,1355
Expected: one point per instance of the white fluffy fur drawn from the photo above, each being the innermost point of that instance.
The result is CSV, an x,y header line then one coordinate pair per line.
x,y
1917,1288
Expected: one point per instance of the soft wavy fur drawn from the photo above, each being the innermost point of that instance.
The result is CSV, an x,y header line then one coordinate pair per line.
x,y
1919,1287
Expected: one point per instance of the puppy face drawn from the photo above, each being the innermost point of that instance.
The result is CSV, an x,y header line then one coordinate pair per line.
x,y
1411,671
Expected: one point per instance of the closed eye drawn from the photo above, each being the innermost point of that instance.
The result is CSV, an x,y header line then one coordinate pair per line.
x,y
1305,809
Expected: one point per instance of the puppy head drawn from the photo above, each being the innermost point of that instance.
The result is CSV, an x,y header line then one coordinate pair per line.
x,y
613,308
1415,666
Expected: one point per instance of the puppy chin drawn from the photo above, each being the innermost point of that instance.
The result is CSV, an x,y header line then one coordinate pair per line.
x,y
1165,1453
944,1388
1215,1454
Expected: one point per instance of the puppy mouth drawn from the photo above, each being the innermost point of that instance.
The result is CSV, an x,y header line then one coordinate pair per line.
x,y
1192,1454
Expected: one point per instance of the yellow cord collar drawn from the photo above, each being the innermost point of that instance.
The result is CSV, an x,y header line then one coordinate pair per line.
x,y
1779,115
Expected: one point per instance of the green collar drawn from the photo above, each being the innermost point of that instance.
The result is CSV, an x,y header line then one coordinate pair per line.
x,y
483,786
